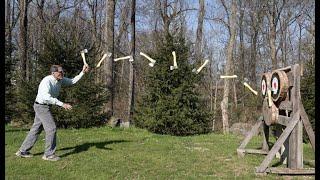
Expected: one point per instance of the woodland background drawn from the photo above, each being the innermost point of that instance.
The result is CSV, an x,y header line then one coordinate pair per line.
x,y
239,37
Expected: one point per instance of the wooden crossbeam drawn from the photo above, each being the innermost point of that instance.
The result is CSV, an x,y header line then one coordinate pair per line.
x,y
255,151
288,171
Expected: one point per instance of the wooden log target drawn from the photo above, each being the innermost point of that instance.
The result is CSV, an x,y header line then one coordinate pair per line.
x,y
270,115
279,85
282,105
265,83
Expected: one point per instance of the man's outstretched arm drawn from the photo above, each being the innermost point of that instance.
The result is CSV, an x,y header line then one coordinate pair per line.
x,y
69,82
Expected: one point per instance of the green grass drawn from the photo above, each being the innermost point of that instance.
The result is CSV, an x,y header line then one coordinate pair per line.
x,y
115,153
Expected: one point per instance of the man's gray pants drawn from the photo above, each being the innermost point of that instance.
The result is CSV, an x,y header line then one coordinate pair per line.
x,y
43,120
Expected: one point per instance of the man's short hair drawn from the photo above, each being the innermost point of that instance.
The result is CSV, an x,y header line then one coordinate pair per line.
x,y
56,68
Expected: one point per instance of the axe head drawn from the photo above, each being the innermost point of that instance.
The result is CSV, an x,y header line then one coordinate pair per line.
x,y
84,51
245,80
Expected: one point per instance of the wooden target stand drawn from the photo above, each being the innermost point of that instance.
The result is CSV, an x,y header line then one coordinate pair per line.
x,y
282,106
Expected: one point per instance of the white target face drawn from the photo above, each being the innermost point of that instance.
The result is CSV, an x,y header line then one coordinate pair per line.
x,y
263,87
275,85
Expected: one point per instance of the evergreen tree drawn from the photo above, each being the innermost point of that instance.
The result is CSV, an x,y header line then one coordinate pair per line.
x,y
10,62
171,104
85,96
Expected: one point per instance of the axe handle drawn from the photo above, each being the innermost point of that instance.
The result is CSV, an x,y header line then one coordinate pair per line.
x,y
247,85
174,59
269,98
225,77
103,57
149,58
83,58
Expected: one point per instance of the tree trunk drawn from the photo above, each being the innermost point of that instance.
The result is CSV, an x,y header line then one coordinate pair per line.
x,y
23,37
272,42
235,95
241,61
215,106
165,17
95,44
131,67
255,19
8,26
7,17
198,45
109,65
123,23
40,33
274,13
224,102
253,59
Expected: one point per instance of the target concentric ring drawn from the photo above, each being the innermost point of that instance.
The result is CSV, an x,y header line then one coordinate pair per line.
x,y
279,85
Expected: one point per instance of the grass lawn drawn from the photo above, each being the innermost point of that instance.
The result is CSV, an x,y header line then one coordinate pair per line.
x,y
115,153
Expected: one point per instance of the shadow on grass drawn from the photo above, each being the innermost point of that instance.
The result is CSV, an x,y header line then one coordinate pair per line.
x,y
16,130
86,146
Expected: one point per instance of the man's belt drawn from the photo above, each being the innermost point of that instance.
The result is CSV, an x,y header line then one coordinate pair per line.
x,y
42,104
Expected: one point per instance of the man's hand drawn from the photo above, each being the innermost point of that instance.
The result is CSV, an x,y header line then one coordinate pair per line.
x,y
67,106
85,68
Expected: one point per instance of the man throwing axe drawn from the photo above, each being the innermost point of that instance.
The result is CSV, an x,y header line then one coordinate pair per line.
x,y
48,93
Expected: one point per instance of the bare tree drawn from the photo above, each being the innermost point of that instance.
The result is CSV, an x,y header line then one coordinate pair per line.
x,y
273,13
7,16
9,23
224,102
255,20
23,39
109,65
241,34
123,24
169,11
198,49
131,65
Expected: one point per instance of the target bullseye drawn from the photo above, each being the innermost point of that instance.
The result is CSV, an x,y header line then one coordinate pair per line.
x,y
275,85
280,84
263,87
265,84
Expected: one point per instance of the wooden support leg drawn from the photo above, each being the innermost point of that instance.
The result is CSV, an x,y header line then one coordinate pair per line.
x,y
254,131
264,165
265,135
295,158
277,132
307,126
284,152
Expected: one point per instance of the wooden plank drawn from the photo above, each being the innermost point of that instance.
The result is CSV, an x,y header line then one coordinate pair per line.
x,y
255,151
240,152
290,78
307,126
286,105
295,158
283,120
288,68
252,132
288,171
265,135
263,166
